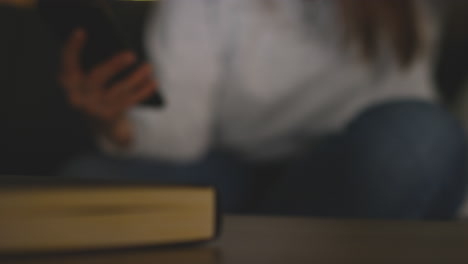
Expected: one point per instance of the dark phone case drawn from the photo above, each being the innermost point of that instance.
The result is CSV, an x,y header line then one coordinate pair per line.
x,y
103,37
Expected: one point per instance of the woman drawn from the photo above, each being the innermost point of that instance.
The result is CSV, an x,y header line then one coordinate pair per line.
x,y
327,105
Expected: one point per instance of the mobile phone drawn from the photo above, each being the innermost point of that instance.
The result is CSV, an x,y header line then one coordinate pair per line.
x,y
104,38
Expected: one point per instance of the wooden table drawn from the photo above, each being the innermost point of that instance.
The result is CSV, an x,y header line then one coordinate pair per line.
x,y
264,240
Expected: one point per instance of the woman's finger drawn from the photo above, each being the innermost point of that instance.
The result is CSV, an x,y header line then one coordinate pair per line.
x,y
96,82
123,103
123,89
103,73
144,92
71,64
72,76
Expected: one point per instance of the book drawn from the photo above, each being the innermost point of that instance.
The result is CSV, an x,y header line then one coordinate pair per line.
x,y
56,215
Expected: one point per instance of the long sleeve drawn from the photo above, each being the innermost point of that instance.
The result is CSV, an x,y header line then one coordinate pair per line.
x,y
182,44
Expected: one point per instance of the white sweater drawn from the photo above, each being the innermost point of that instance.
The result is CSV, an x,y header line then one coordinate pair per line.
x,y
260,81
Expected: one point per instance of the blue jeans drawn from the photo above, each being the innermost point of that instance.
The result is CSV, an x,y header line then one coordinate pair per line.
x,y
399,160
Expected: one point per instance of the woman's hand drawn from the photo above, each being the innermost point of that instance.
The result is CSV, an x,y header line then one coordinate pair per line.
x,y
89,91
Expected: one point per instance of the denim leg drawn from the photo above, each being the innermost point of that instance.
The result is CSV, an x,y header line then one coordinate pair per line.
x,y
231,177
396,160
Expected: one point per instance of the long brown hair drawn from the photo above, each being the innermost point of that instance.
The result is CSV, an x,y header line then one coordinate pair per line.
x,y
366,21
